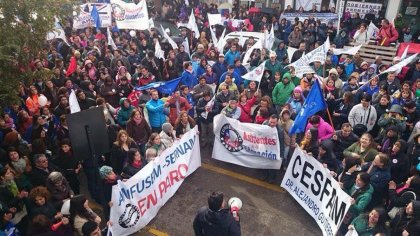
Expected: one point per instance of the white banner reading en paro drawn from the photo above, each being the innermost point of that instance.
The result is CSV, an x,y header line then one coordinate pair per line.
x,y
137,201
130,15
246,144
312,186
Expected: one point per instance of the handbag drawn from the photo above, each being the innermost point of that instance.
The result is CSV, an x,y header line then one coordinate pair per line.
x,y
362,128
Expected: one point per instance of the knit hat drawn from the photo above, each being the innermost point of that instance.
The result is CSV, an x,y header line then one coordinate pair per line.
x,y
104,171
297,89
333,71
167,127
416,210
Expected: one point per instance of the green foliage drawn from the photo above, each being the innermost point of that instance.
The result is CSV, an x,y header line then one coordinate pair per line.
x,y
24,23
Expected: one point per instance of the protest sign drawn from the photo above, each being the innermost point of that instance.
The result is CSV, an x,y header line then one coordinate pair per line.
x,y
246,144
130,15
307,4
312,186
84,19
362,8
137,201
323,17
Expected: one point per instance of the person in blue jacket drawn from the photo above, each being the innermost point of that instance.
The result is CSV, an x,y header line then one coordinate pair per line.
x,y
188,77
232,54
156,110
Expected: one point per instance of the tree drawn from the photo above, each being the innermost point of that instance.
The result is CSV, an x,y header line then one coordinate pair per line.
x,y
24,25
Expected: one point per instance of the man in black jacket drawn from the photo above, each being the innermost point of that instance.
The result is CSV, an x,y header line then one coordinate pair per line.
x,y
215,219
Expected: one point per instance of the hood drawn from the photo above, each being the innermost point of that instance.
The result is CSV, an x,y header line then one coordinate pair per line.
x,y
328,145
396,108
216,217
283,111
120,68
416,210
122,101
288,76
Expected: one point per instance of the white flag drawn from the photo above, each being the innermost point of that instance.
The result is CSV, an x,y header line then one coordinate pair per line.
x,y
74,104
255,74
159,53
318,54
192,25
221,42
290,52
372,30
404,55
213,36
151,23
57,33
269,38
186,45
214,19
348,51
110,40
167,37
399,66
257,45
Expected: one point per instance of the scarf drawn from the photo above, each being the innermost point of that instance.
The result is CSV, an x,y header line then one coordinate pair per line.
x,y
11,186
137,164
19,165
330,88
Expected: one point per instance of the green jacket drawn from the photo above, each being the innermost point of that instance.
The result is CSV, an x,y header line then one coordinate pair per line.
x,y
361,225
368,155
282,92
273,68
362,200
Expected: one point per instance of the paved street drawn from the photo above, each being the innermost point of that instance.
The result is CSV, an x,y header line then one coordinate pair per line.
x,y
267,209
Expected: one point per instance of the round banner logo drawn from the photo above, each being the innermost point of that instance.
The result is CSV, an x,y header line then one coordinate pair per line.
x,y
118,11
230,138
130,217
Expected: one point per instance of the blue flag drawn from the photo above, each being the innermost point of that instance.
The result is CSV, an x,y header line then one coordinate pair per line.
x,y
314,102
163,87
95,16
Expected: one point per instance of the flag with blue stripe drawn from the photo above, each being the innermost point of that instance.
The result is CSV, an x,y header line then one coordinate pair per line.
x,y
314,102
95,15
164,87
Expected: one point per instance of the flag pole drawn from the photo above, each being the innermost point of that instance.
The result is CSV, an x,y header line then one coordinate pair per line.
x,y
328,111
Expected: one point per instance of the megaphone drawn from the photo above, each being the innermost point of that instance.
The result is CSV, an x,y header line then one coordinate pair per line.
x,y
235,204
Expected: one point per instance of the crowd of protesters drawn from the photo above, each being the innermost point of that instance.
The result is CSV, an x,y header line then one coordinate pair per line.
x,y
371,143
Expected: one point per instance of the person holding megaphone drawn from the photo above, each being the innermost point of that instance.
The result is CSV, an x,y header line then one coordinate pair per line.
x,y
216,219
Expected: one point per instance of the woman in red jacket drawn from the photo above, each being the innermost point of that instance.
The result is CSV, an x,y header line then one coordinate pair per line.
x,y
245,105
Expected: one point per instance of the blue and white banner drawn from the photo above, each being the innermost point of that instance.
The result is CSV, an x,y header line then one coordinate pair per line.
x,y
84,19
246,144
130,15
138,200
313,187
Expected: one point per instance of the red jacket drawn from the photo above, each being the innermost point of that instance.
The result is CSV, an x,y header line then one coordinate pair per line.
x,y
387,35
246,115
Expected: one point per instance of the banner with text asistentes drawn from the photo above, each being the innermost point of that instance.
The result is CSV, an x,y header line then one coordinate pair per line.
x,y
313,187
246,144
137,201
